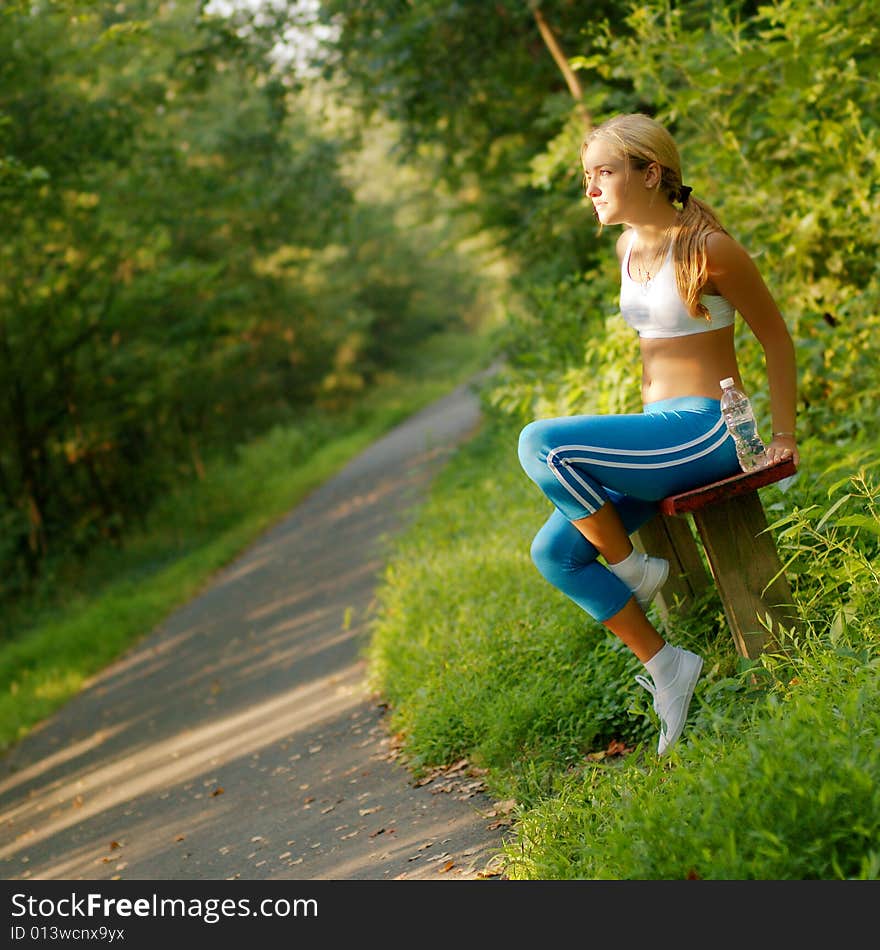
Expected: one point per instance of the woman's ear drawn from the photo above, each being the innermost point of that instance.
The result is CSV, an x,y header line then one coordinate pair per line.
x,y
653,175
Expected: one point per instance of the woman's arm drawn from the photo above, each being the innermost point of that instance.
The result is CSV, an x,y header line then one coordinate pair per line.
x,y
735,276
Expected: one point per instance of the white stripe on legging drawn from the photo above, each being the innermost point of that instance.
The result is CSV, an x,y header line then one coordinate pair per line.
x,y
570,488
552,464
672,448
608,464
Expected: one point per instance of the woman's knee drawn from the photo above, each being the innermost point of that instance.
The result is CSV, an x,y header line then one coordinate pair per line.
x,y
549,561
532,449
529,443
559,549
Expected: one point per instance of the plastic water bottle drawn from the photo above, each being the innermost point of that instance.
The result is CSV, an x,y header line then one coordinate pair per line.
x,y
740,419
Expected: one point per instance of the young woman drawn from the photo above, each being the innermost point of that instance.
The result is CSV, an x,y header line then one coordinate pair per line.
x,y
683,279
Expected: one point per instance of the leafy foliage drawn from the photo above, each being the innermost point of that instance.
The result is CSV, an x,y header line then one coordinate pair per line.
x,y
476,82
185,264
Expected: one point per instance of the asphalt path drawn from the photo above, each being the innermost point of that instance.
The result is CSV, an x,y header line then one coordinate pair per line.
x,y
239,739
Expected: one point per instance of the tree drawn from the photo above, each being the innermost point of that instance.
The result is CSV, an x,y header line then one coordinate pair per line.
x,y
184,262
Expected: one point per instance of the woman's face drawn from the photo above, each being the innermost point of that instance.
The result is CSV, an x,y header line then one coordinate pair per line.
x,y
616,189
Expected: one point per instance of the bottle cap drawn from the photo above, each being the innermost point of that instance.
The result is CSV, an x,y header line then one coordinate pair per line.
x,y
727,383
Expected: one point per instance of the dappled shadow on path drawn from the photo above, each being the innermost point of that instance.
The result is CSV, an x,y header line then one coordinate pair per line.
x,y
238,739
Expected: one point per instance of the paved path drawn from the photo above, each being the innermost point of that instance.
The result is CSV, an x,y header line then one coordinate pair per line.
x,y
238,740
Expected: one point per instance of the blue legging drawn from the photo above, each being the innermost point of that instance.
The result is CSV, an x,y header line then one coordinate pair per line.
x,y
581,462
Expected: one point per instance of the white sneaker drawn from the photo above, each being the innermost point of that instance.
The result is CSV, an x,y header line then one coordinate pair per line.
x,y
656,572
671,703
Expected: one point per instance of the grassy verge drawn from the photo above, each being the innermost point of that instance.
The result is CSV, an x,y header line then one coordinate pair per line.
x,y
100,608
778,774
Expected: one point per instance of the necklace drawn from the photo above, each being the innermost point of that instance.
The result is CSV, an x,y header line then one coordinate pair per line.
x,y
646,272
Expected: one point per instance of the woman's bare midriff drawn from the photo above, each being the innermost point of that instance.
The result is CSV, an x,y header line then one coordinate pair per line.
x,y
688,366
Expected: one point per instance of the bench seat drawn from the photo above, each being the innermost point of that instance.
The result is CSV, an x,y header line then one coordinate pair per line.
x,y
740,551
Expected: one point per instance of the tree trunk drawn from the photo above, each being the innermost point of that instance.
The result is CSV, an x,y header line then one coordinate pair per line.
x,y
561,60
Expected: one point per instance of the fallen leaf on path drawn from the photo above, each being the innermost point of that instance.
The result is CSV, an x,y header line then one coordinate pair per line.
x,y
503,808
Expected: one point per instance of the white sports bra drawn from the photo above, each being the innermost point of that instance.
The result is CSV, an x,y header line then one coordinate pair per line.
x,y
656,309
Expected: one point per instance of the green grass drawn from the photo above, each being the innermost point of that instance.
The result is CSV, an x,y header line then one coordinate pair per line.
x,y
778,772
100,607
794,798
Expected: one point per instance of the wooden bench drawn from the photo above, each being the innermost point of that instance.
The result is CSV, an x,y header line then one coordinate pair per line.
x,y
741,553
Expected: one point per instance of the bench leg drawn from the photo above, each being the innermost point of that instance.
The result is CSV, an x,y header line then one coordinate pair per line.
x,y
742,560
671,538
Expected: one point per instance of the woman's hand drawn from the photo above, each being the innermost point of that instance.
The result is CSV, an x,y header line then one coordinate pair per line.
x,y
783,447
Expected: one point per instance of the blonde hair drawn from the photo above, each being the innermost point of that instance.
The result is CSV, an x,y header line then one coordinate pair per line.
x,y
641,140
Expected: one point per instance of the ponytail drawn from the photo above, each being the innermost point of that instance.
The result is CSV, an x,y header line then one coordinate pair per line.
x,y
689,258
